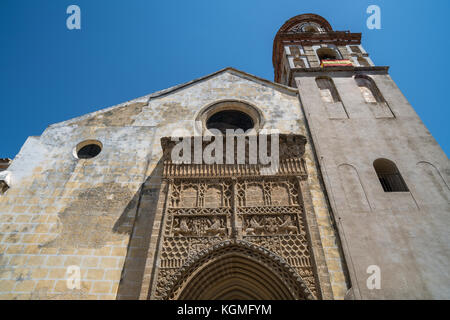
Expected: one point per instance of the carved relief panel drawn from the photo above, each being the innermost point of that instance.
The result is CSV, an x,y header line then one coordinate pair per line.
x,y
266,211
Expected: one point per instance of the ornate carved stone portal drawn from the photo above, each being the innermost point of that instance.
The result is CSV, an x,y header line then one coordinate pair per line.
x,y
229,232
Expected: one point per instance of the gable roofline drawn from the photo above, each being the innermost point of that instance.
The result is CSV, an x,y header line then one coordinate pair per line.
x,y
158,94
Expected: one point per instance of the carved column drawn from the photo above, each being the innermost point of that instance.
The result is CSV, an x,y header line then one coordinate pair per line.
x,y
155,239
236,233
317,254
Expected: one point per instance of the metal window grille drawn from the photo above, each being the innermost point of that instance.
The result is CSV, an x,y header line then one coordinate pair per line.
x,y
393,183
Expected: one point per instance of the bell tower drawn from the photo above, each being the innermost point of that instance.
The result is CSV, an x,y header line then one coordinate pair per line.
x,y
386,178
308,41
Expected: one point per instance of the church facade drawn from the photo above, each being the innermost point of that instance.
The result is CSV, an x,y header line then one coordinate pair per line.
x,y
357,206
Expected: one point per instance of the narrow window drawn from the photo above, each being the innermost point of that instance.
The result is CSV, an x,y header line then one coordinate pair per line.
x,y
328,91
295,51
372,95
369,89
299,63
367,94
363,62
327,54
390,178
330,96
355,49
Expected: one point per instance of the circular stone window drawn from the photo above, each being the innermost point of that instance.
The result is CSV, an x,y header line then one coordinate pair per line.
x,y
230,119
88,149
229,114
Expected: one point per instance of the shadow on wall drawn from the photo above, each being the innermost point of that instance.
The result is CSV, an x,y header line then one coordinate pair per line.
x,y
146,200
89,222
354,191
435,184
107,213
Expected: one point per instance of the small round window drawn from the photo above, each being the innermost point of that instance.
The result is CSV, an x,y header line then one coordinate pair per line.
x,y
230,119
88,149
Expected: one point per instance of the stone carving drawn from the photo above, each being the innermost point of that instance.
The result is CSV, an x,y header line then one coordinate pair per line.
x,y
199,211
201,194
240,194
177,249
291,150
306,27
267,187
255,227
297,29
175,194
209,205
270,225
227,194
297,287
191,193
199,226
216,228
183,229
288,226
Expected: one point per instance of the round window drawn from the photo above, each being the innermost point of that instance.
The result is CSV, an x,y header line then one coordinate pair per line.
x,y
230,119
88,149
229,114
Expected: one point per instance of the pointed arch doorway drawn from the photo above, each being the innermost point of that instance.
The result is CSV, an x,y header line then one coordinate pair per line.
x,y
238,271
235,277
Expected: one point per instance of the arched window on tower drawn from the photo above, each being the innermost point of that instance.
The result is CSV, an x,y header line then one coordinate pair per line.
x,y
331,98
327,54
369,89
298,60
373,96
328,91
355,49
363,62
390,178
299,63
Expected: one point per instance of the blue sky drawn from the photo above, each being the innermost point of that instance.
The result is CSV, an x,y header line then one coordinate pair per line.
x,y
126,49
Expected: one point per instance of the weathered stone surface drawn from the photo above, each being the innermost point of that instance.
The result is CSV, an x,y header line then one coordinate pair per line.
x,y
101,214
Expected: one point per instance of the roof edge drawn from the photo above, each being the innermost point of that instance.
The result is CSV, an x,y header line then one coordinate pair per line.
x,y
146,99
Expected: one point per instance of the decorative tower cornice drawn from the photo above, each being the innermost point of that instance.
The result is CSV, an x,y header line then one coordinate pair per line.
x,y
308,30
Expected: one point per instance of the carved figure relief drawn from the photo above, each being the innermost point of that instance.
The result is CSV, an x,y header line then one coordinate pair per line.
x,y
265,211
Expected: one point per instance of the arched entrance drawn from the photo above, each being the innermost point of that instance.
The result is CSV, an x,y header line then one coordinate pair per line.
x,y
237,271
234,276
231,232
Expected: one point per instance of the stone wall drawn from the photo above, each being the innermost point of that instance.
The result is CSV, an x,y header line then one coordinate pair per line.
x,y
404,233
99,213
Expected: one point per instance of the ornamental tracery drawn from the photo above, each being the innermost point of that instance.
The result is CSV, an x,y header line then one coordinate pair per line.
x,y
235,204
306,27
